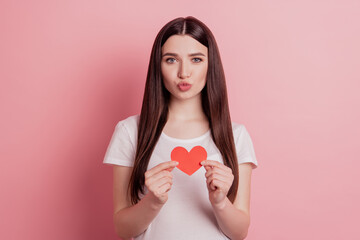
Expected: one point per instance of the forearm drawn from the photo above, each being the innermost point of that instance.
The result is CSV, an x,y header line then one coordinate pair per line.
x,y
132,221
232,221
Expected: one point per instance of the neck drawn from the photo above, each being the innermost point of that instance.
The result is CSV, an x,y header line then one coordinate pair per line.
x,y
189,109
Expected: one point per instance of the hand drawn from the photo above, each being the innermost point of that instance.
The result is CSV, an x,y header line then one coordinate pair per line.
x,y
219,179
158,180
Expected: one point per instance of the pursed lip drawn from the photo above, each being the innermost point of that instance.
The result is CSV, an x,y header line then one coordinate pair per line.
x,y
184,86
183,83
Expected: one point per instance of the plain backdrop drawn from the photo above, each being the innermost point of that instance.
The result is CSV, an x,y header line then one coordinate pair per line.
x,y
70,70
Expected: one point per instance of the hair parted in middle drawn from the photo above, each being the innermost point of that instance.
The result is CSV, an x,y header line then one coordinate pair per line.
x,y
156,99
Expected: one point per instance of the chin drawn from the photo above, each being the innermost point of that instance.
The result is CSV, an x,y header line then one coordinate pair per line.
x,y
187,96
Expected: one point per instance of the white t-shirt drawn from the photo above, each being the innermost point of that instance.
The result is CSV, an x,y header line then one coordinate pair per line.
x,y
188,213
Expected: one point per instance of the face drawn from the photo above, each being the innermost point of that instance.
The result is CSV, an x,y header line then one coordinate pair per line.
x,y
184,66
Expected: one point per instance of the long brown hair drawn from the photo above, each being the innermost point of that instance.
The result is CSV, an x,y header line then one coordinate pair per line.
x,y
154,109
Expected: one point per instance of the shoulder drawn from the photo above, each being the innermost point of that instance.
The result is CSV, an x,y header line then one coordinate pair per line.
x,y
128,128
238,129
240,133
130,123
244,145
122,147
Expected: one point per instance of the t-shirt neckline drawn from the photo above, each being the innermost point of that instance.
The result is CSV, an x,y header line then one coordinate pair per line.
x,y
186,140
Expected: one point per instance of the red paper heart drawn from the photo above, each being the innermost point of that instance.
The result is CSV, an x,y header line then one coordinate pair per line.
x,y
189,162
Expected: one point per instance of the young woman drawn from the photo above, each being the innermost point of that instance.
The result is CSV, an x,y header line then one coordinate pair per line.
x,y
185,106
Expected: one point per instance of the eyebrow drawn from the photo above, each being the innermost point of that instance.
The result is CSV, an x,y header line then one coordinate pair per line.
x,y
190,55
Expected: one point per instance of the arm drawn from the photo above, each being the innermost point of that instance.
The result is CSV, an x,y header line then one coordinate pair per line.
x,y
132,220
125,215
233,218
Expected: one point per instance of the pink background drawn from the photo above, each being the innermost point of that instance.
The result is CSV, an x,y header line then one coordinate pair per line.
x,y
70,70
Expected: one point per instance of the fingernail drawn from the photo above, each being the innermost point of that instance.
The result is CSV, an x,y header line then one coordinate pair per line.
x,y
202,163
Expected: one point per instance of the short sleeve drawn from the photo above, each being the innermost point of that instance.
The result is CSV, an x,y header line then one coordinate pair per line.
x,y
121,149
244,146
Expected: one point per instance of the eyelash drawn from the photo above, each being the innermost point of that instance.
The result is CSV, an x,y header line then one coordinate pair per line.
x,y
193,58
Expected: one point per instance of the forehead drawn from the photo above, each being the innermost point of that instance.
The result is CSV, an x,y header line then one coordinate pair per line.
x,y
183,44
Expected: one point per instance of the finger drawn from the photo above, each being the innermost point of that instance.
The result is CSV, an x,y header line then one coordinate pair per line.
x,y
160,167
170,169
154,186
225,180
207,168
216,184
218,171
162,191
164,188
209,187
210,163
212,186
213,163
157,177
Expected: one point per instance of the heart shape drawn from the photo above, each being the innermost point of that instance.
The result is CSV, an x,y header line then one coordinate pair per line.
x,y
189,162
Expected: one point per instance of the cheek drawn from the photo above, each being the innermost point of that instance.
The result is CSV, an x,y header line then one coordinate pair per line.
x,y
203,73
166,78
168,73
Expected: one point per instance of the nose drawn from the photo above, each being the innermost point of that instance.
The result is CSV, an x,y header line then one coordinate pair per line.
x,y
184,71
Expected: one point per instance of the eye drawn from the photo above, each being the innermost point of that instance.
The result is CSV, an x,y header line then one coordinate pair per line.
x,y
198,60
167,60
